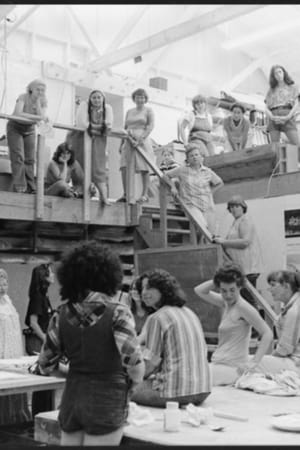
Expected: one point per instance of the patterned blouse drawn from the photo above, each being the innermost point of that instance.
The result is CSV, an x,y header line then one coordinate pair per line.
x,y
11,344
195,185
88,313
285,95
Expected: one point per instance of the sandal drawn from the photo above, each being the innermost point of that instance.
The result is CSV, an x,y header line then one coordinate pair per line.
x,y
143,199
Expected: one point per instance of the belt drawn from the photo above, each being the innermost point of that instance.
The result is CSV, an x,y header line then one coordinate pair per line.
x,y
281,107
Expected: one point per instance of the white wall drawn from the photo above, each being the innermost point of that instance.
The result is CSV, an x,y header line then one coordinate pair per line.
x,y
268,217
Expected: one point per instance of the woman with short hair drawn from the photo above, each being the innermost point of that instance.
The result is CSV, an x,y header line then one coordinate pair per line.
x,y
200,124
231,359
175,351
236,128
139,123
284,286
21,137
99,339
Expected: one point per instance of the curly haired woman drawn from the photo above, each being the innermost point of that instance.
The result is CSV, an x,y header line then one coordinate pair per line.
x,y
175,350
98,337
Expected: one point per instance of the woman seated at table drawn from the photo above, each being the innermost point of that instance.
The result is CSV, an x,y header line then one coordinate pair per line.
x,y
62,170
175,351
284,286
13,408
231,359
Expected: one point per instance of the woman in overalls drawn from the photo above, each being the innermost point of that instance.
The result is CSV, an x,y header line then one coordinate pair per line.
x,y
200,124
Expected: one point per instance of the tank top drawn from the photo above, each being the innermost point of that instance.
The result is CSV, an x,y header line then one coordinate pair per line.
x,y
234,337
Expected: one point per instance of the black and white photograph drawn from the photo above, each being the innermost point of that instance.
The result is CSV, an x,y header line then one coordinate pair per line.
x,y
149,225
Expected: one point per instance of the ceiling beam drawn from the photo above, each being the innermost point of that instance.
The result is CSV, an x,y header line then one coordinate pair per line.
x,y
5,10
173,34
127,28
22,19
83,31
154,58
248,70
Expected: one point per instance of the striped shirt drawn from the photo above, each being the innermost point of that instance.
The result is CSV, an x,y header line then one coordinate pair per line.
x,y
174,341
195,185
88,313
288,330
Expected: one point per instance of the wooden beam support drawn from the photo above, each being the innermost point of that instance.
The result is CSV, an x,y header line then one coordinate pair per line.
x,y
22,19
127,28
83,30
173,34
5,10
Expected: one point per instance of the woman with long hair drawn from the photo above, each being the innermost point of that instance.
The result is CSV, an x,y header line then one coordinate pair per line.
x,y
96,116
21,137
281,105
62,170
37,318
175,351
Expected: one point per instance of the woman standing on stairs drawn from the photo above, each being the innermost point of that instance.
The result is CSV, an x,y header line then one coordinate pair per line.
x,y
231,359
242,244
197,183
139,123
96,116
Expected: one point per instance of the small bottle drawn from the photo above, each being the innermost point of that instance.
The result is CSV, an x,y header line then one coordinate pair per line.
x,y
172,416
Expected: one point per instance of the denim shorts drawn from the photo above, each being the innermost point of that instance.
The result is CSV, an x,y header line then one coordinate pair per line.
x,y
94,406
283,127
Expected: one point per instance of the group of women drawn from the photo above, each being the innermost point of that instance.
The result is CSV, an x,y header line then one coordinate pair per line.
x,y
96,116
149,350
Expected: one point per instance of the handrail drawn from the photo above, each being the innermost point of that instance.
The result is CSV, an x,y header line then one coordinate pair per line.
x,y
197,218
120,134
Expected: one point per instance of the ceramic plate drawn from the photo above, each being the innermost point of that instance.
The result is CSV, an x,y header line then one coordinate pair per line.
x,y
288,422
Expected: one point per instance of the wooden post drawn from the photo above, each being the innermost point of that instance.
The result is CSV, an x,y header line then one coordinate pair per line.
x,y
87,155
193,237
130,183
40,178
163,214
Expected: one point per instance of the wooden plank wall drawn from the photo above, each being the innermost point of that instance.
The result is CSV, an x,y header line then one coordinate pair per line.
x,y
190,265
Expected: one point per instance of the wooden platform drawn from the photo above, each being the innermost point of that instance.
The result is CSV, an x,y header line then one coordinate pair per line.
x,y
257,430
16,206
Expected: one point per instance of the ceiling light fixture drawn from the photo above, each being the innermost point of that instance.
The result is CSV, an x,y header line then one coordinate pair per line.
x,y
253,37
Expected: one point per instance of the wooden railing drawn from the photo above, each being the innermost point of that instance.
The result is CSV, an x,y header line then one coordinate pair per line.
x,y
198,221
39,213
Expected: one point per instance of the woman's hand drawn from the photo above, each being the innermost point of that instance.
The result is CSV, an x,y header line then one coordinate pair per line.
x,y
218,240
250,366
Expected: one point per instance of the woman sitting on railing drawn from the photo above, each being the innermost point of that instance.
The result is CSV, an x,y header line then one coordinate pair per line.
x,y
21,137
62,169
96,116
139,123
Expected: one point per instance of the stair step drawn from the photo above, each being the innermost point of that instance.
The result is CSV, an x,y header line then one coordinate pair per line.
x,y
169,217
178,231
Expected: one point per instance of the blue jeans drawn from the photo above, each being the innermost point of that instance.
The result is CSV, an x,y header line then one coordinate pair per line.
x,y
21,140
145,395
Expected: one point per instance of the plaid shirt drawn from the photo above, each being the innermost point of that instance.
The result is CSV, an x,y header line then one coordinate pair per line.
x,y
288,329
86,314
195,185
